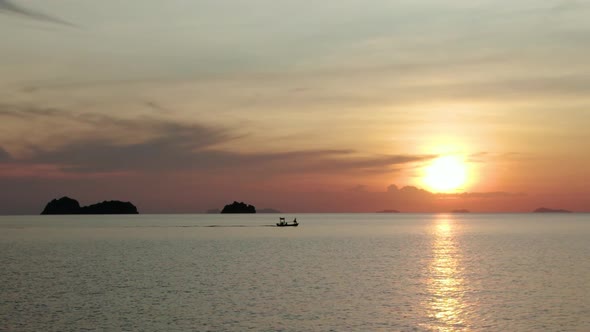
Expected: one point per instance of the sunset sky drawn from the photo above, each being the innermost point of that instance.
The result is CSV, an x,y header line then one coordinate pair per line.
x,y
301,106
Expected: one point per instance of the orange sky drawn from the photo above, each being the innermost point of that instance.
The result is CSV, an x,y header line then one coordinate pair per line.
x,y
182,107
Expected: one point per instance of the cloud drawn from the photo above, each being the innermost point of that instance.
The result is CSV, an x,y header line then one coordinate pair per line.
x,y
4,156
7,110
493,194
483,157
175,151
156,107
409,195
569,5
418,192
10,8
106,144
359,188
414,199
478,157
173,146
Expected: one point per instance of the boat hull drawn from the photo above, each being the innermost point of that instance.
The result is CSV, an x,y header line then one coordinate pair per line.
x,y
287,225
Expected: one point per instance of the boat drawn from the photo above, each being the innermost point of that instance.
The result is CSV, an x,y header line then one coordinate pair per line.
x,y
283,223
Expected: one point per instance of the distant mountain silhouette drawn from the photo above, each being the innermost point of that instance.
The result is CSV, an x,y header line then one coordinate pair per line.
x,y
388,211
548,210
461,211
66,205
268,210
238,207
213,211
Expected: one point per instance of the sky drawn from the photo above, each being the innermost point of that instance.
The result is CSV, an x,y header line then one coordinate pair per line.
x,y
182,106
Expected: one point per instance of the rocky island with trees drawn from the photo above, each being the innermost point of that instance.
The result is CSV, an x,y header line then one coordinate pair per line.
x,y
239,207
66,205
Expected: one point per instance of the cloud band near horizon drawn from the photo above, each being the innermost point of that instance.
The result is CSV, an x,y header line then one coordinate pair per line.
x,y
10,8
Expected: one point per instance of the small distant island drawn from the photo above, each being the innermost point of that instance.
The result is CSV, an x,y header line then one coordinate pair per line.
x,y
548,210
241,207
238,207
461,211
66,205
388,211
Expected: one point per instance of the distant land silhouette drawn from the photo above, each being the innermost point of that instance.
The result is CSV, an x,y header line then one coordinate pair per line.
x,y
238,207
66,205
548,210
213,211
461,211
388,211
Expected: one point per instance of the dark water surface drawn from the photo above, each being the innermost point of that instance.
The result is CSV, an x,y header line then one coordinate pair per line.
x,y
336,272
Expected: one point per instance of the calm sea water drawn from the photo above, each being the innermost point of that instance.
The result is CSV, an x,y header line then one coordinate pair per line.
x,y
336,272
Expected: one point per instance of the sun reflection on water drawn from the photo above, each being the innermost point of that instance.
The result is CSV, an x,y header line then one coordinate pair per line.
x,y
445,284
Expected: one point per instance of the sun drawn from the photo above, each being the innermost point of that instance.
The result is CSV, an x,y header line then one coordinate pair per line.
x,y
445,174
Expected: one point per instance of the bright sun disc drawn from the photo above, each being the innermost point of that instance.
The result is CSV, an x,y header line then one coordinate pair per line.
x,y
445,174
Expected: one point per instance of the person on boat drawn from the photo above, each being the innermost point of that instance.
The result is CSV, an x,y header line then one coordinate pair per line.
x,y
295,220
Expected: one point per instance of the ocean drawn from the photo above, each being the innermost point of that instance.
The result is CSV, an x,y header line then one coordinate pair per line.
x,y
335,272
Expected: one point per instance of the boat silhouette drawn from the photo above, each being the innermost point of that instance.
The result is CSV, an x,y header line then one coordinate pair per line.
x,y
283,223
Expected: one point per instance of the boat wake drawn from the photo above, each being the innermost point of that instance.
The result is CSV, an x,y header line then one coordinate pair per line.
x,y
200,226
234,226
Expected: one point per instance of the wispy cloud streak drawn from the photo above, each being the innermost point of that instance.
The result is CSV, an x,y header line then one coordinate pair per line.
x,y
11,8
169,146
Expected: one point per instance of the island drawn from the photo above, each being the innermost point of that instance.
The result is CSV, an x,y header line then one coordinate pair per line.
x,y
66,205
388,211
548,210
213,211
238,207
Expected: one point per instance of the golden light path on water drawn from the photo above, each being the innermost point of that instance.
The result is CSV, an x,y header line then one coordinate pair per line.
x,y
445,284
